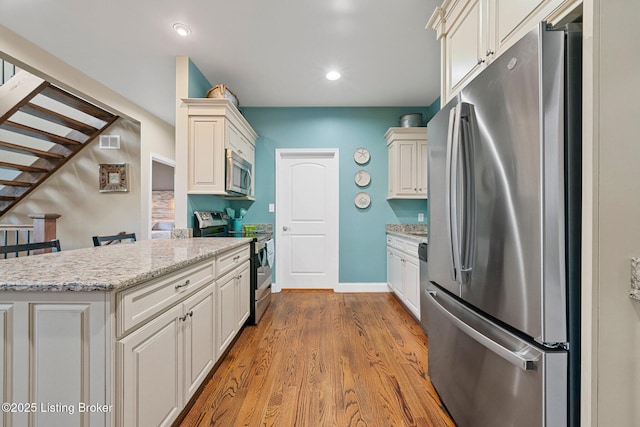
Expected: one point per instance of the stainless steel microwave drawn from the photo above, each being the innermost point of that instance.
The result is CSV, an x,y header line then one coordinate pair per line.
x,y
239,178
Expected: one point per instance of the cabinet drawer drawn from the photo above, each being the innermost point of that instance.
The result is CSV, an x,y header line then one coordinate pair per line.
x,y
394,242
230,260
141,303
410,247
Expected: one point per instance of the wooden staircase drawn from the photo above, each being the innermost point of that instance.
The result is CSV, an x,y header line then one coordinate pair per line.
x,y
41,128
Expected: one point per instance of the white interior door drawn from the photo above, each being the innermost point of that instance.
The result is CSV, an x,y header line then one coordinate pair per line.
x,y
306,219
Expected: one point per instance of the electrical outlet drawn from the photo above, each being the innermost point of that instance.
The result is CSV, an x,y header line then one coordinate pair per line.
x,y
272,207
420,217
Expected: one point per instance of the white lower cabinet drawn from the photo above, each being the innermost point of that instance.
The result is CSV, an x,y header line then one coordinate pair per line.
x,y
395,272
233,304
133,357
165,361
55,359
151,391
403,272
199,338
411,275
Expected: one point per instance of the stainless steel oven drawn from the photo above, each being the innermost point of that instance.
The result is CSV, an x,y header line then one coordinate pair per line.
x,y
262,289
215,224
238,176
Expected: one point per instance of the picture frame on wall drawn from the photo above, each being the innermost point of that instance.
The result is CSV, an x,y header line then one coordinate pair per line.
x,y
113,177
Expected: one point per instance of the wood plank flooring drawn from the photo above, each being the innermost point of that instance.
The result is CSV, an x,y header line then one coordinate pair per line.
x,y
324,359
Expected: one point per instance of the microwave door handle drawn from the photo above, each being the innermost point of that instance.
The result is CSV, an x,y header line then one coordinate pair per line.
x,y
249,180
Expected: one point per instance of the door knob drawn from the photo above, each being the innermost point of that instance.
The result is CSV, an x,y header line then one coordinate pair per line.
x,y
285,228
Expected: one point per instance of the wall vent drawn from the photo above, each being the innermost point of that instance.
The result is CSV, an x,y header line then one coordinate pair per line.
x,y
110,142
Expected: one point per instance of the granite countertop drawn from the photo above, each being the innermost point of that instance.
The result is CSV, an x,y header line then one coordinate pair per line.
x,y
417,232
109,268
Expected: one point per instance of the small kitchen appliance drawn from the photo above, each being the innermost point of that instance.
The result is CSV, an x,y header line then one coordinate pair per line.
x,y
238,174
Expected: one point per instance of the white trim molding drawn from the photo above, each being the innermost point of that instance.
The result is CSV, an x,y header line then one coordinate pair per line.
x,y
362,287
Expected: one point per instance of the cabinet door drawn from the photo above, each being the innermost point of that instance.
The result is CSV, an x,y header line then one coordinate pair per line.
x,y
206,155
227,309
397,268
199,338
151,372
6,365
244,294
422,167
406,173
465,47
510,20
509,15
412,285
390,267
233,141
393,167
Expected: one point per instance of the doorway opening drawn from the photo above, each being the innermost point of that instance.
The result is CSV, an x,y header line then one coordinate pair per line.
x,y
162,197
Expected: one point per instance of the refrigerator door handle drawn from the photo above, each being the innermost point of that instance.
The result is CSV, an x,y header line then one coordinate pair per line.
x,y
448,211
468,134
453,223
515,358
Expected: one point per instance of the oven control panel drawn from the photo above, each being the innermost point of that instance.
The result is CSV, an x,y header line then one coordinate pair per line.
x,y
209,219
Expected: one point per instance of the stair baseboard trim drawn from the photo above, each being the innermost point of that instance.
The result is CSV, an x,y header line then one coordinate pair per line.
x,y
362,287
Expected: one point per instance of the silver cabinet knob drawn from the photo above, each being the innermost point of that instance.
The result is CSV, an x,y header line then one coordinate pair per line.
x,y
285,228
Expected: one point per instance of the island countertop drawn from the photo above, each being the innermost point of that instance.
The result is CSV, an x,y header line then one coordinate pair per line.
x,y
109,268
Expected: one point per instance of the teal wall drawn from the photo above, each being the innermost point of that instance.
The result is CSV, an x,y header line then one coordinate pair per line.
x,y
362,232
198,83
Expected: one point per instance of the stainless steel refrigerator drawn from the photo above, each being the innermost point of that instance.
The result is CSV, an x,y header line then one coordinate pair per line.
x,y
504,238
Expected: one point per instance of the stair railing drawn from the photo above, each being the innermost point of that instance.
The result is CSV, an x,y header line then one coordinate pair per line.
x,y
43,229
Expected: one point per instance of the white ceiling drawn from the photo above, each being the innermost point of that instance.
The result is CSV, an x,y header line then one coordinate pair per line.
x,y
269,52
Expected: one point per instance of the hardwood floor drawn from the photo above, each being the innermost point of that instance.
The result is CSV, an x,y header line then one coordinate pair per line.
x,y
324,359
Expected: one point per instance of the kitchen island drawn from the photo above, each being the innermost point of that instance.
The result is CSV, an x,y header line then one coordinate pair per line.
x,y
118,335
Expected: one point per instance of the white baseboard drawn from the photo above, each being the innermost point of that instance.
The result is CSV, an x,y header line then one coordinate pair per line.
x,y
350,287
362,287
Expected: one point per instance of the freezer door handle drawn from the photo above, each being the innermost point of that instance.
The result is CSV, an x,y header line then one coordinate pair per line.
x,y
516,359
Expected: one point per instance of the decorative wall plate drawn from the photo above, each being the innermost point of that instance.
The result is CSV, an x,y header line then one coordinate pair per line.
x,y
362,178
362,200
361,156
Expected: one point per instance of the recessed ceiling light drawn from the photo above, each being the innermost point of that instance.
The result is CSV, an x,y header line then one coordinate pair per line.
x,y
182,29
333,75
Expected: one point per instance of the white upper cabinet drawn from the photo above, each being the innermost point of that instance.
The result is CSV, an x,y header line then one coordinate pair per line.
x,y
215,125
466,46
407,162
474,32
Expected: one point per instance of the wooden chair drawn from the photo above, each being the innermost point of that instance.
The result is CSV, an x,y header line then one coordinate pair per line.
x,y
107,240
28,247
